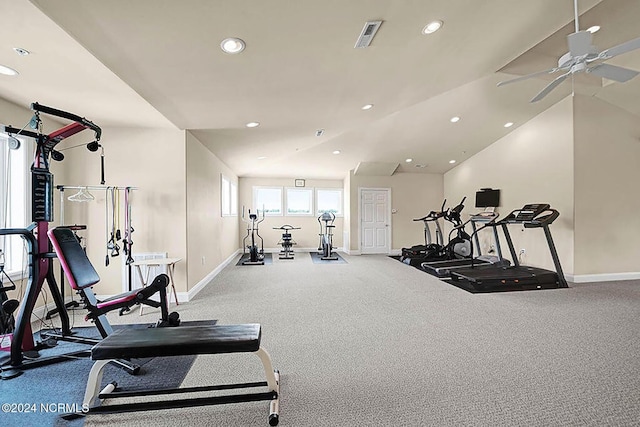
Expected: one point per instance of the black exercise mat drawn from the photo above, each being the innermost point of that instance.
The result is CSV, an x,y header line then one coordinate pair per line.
x,y
268,259
40,395
316,258
399,258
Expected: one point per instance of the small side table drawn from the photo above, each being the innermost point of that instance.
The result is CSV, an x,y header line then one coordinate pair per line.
x,y
158,262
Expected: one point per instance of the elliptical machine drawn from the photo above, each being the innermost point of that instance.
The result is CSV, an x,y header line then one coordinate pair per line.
x,y
417,254
459,246
326,236
256,256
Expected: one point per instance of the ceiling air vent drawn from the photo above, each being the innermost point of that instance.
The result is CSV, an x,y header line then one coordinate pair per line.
x,y
367,34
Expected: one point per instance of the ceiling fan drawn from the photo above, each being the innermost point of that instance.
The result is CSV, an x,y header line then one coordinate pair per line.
x,y
584,57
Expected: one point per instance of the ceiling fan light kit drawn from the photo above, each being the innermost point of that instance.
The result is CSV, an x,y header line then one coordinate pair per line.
x,y
581,55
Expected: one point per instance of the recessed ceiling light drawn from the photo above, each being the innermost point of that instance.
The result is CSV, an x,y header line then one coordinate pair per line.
x,y
261,158
20,51
367,107
452,161
455,119
232,45
409,160
252,124
508,124
336,152
432,27
593,29
8,71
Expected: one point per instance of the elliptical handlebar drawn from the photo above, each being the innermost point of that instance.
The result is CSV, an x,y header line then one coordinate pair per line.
x,y
328,217
453,214
251,219
433,215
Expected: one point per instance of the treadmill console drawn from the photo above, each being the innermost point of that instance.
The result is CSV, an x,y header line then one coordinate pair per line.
x,y
527,213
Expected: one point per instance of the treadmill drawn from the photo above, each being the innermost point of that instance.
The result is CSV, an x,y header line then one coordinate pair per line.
x,y
489,199
517,277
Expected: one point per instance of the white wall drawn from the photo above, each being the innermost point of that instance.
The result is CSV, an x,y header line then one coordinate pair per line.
x,y
532,164
607,173
211,238
153,161
307,237
413,195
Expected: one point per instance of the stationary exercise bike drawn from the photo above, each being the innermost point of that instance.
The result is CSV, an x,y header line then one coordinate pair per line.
x,y
286,241
256,256
326,236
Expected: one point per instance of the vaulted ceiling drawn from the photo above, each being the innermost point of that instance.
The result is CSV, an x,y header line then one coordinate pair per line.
x,y
154,63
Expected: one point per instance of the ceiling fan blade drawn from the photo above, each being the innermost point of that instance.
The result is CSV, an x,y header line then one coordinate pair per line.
x,y
549,87
613,72
620,49
579,43
528,76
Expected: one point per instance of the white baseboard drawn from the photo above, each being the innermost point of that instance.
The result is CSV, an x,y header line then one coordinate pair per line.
x,y
606,277
393,252
187,296
39,313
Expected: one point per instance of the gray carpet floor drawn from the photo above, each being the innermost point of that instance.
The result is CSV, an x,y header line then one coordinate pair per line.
x,y
375,342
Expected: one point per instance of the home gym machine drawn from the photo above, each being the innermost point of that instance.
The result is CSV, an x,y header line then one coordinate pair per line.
x,y
40,265
325,249
40,255
517,277
256,256
286,241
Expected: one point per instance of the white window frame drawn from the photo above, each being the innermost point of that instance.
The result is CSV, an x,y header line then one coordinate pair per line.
x,y
308,190
18,215
259,207
228,197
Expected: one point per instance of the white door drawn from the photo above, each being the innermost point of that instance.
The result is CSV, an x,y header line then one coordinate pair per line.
x,y
375,229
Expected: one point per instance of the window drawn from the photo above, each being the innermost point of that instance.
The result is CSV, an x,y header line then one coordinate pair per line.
x,y
228,197
299,201
268,199
15,192
329,200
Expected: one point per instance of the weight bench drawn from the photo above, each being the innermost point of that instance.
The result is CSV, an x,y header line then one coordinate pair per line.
x,y
82,277
185,340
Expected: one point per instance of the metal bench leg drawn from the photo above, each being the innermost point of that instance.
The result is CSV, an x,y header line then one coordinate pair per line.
x,y
273,382
93,384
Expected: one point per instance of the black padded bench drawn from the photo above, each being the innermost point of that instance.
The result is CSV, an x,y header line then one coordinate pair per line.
x,y
181,341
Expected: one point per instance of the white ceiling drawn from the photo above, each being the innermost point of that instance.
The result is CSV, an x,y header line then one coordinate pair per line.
x,y
158,63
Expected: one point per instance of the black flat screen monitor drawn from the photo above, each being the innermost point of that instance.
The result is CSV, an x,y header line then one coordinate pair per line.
x,y
487,198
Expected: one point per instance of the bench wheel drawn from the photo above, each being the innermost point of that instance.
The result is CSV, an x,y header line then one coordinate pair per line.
x,y
273,419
